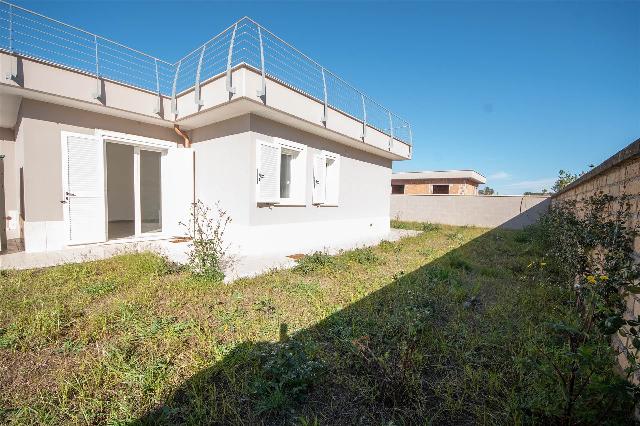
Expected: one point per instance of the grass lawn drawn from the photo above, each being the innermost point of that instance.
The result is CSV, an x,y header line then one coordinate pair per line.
x,y
433,328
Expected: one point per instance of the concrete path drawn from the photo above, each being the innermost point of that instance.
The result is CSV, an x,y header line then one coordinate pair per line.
x,y
241,266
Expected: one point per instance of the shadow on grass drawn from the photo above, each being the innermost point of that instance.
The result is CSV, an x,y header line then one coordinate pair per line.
x,y
437,344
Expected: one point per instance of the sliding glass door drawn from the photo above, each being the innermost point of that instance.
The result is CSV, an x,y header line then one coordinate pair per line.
x,y
150,191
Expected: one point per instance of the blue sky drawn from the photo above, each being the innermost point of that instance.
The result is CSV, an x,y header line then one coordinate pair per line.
x,y
514,90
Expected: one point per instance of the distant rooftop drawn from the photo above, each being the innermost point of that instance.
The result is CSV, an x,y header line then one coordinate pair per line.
x,y
441,174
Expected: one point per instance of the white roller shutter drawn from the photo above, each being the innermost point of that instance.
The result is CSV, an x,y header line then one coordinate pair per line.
x,y
84,188
267,172
319,178
177,190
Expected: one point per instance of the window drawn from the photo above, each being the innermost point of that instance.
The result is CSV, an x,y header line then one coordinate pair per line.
x,y
326,178
280,172
397,189
440,189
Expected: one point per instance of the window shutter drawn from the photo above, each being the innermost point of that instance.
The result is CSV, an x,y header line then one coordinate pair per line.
x,y
319,178
84,192
267,172
332,194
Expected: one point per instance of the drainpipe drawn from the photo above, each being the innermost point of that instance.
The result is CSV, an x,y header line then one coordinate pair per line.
x,y
186,141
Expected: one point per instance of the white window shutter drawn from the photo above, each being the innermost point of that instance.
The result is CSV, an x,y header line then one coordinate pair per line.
x,y
267,172
332,194
177,190
319,178
84,188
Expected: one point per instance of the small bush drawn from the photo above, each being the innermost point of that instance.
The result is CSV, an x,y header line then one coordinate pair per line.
x,y
288,372
430,227
363,256
314,262
208,252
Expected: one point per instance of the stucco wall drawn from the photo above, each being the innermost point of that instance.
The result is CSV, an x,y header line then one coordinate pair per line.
x,y
364,179
9,228
222,173
39,153
42,124
225,173
512,212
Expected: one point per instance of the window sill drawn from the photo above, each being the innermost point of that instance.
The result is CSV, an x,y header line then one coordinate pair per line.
x,y
327,205
290,204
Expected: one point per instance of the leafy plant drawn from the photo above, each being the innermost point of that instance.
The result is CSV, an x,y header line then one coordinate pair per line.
x,y
287,373
564,179
313,262
208,257
589,246
363,256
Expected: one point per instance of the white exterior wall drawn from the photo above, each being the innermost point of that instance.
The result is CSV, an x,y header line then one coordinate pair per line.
x,y
225,172
38,152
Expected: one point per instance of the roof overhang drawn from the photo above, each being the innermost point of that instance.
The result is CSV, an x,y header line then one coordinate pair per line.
x,y
441,174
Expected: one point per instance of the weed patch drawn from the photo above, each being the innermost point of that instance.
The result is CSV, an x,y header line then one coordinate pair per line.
x,y
314,262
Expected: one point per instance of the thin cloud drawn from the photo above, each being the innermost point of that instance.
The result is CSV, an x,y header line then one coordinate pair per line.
x,y
532,185
499,175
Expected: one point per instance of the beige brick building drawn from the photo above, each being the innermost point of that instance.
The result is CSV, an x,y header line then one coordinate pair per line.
x,y
439,182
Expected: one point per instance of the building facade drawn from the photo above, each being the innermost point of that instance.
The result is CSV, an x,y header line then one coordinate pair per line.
x,y
91,157
446,182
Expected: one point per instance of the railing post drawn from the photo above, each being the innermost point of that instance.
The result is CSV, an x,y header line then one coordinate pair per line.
x,y
13,71
196,92
324,89
174,101
263,90
410,135
230,87
10,28
158,107
410,140
364,119
98,93
390,131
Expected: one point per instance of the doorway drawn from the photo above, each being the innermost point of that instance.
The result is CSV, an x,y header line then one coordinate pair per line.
x,y
133,190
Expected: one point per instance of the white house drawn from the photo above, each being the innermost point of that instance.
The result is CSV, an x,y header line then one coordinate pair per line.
x,y
102,142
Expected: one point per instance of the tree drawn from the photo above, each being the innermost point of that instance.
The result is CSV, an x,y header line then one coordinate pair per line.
x,y
564,179
543,192
486,191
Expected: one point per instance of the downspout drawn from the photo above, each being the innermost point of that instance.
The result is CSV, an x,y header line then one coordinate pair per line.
x,y
186,141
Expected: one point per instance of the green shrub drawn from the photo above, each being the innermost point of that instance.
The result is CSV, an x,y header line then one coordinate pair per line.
x,y
363,256
208,252
316,261
430,227
287,373
589,246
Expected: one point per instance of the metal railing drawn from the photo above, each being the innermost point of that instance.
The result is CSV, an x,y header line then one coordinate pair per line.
x,y
31,34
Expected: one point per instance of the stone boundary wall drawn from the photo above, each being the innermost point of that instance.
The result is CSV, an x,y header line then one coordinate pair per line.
x,y
506,211
618,175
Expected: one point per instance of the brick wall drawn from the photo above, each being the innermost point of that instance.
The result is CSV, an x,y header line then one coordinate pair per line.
x,y
425,186
618,175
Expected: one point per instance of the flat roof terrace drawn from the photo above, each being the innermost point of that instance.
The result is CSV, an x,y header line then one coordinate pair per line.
x,y
245,68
